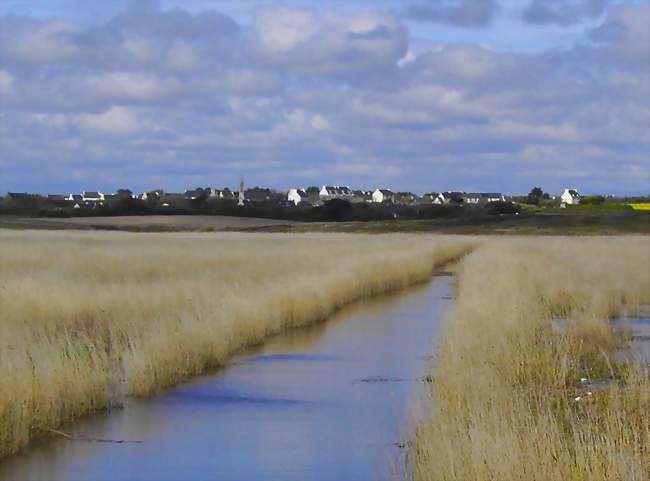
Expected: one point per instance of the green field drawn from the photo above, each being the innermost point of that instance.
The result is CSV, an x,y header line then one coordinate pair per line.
x,y
541,222
536,224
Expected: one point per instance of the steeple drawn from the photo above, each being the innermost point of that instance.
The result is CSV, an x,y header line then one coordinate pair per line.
x,y
241,191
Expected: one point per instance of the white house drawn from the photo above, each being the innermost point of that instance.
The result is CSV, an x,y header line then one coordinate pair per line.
x,y
220,193
92,196
382,195
440,199
449,197
570,196
74,198
151,195
328,192
297,196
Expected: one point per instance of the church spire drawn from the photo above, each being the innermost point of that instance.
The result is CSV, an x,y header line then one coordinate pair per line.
x,y
241,191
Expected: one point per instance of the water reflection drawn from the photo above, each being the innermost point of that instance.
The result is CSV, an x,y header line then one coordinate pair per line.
x,y
637,323
293,409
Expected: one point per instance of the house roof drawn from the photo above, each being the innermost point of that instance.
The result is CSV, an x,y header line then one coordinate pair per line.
x,y
18,195
194,194
259,195
483,195
362,194
338,190
91,194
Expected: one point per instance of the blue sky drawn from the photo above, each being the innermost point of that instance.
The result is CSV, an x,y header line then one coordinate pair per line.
x,y
495,95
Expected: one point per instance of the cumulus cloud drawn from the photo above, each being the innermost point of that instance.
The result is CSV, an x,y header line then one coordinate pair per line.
x,y
299,40
155,97
6,83
563,12
115,121
461,13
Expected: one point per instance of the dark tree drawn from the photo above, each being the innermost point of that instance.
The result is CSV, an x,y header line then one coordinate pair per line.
x,y
534,196
335,210
502,207
124,194
593,200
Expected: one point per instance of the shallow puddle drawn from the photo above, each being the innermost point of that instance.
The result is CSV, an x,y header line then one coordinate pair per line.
x,y
637,322
331,402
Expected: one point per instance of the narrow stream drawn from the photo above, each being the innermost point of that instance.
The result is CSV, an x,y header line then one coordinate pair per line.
x,y
326,403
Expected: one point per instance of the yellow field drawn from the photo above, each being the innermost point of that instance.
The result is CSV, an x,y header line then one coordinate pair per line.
x,y
641,206
531,320
87,318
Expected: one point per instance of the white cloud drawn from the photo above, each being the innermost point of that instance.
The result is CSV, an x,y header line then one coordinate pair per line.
x,y
137,86
281,29
115,121
6,83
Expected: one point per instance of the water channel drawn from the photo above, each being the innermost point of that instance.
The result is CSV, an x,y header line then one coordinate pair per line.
x,y
332,402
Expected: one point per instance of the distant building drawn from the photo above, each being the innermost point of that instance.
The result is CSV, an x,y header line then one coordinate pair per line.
x,y
570,196
92,196
335,192
196,194
220,193
405,198
19,196
152,195
428,198
482,197
296,196
258,194
445,198
361,196
383,195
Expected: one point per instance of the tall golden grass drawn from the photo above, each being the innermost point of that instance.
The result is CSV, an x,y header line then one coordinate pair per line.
x,y
86,318
531,320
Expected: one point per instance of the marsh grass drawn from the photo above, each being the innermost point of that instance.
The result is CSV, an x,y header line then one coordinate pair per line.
x,y
88,318
503,401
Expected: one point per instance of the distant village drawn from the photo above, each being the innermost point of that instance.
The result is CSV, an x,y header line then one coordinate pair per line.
x,y
293,197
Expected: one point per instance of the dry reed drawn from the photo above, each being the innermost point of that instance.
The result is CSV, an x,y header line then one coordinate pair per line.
x,y
532,320
87,318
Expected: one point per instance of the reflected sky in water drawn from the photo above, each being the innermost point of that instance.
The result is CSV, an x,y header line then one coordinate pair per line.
x,y
295,409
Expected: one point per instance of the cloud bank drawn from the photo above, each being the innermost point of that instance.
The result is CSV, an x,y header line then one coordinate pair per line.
x,y
564,12
463,13
166,98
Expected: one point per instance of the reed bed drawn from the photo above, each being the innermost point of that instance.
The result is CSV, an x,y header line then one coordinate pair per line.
x,y
531,320
88,318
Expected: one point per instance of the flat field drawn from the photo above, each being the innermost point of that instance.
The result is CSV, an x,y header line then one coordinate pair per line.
x,y
557,224
146,223
533,382
579,221
90,317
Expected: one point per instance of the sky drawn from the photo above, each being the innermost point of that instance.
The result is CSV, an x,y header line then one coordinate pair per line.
x,y
418,95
